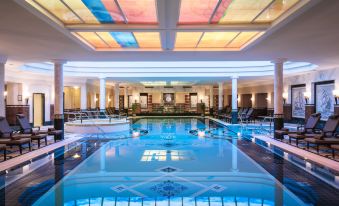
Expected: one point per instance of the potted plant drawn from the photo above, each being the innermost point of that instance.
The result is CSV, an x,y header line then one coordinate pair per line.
x,y
134,109
202,108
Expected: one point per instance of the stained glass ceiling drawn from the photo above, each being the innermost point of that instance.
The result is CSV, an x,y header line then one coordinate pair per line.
x,y
108,25
232,11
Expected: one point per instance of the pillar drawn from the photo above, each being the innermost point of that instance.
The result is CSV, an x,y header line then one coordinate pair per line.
x,y
59,96
83,97
116,96
3,60
211,96
234,99
278,91
102,97
125,97
220,99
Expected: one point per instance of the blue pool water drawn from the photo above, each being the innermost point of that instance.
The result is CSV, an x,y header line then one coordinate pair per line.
x,y
170,166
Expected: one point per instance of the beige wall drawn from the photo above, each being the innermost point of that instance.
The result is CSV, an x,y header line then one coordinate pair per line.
x,y
72,97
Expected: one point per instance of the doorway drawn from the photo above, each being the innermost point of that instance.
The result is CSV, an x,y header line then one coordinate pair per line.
x,y
38,109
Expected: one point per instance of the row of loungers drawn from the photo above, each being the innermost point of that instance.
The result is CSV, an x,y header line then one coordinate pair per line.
x,y
311,136
244,114
26,135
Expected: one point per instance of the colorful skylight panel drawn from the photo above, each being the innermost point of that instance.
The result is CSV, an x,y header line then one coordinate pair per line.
x,y
243,38
100,11
148,39
125,39
139,11
196,11
275,10
216,39
117,40
221,10
81,10
187,39
59,10
243,11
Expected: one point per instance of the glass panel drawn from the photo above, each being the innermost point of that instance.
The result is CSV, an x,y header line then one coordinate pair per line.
x,y
107,37
135,201
148,201
109,201
148,39
125,39
216,39
187,39
242,39
82,202
229,201
188,201
139,11
196,11
176,201
122,201
95,201
242,201
243,11
98,9
81,10
93,39
202,201
113,10
162,201
60,11
221,10
275,10
215,201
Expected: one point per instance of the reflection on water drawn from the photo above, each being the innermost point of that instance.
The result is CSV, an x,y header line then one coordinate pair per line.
x,y
192,171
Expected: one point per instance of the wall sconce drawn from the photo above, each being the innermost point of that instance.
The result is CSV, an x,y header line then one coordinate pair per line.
x,y
336,96
252,99
109,100
284,95
307,96
5,93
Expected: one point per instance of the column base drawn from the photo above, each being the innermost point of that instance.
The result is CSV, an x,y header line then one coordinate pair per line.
x,y
278,124
234,117
59,123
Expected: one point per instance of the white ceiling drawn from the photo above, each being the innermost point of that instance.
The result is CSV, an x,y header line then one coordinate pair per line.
x,y
311,36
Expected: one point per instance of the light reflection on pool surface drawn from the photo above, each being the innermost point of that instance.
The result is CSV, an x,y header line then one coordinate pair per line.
x,y
169,166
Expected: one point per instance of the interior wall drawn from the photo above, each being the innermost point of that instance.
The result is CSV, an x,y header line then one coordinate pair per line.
x,y
72,97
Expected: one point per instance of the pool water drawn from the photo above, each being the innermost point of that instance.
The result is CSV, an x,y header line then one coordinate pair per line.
x,y
170,166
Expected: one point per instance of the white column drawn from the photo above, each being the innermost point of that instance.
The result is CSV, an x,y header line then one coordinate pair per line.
x,y
102,94
125,97
221,100
211,96
2,86
116,96
83,97
278,86
59,89
234,93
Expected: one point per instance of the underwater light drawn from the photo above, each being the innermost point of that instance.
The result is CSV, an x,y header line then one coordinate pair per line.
x,y
76,156
201,133
135,134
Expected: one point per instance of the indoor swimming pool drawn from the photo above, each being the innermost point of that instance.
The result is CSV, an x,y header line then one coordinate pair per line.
x,y
177,162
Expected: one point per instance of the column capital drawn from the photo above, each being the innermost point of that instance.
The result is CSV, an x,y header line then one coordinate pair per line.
x,y
102,77
59,61
279,60
3,59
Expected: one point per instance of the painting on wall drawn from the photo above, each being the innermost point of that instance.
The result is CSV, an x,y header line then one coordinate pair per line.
x,y
298,102
324,99
168,98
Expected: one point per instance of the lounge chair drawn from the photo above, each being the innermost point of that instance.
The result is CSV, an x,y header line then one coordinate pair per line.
x,y
309,127
327,136
26,128
334,148
10,138
3,148
248,116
